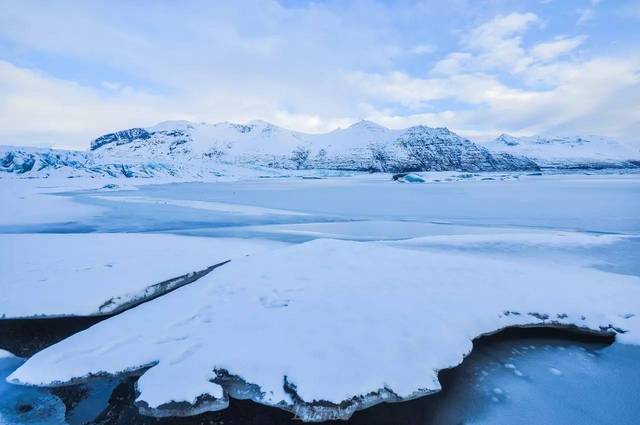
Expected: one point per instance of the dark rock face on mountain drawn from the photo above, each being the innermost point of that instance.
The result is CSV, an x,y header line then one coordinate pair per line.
x,y
438,149
120,137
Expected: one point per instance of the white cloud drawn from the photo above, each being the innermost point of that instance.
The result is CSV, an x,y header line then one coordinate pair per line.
x,y
552,49
494,45
40,110
548,91
453,63
498,41
312,67
598,96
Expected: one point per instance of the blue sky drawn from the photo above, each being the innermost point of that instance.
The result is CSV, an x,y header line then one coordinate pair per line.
x,y
70,71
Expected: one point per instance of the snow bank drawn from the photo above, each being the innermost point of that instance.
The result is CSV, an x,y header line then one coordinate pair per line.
x,y
328,327
98,273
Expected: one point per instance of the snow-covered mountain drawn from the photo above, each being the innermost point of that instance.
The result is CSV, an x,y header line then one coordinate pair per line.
x,y
183,148
364,146
592,152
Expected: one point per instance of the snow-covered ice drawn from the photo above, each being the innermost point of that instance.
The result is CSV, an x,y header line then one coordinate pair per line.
x,y
545,239
99,273
347,323
201,205
30,201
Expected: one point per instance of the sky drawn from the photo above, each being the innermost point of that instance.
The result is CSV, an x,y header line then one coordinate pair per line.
x,y
73,70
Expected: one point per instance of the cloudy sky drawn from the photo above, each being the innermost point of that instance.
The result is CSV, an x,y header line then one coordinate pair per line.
x,y
70,71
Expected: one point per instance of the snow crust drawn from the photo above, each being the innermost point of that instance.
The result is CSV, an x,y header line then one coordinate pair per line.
x,y
96,273
331,320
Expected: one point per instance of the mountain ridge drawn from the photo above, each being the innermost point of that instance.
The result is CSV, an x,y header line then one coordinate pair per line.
x,y
181,147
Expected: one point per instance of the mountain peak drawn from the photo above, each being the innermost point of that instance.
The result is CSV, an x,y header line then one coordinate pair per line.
x,y
507,139
367,125
171,125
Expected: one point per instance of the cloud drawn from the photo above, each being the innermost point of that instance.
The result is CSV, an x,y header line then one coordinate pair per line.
x,y
37,109
40,110
545,92
309,66
552,49
593,97
499,41
496,44
453,63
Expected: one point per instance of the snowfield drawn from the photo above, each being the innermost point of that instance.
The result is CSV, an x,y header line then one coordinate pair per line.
x,y
328,327
101,273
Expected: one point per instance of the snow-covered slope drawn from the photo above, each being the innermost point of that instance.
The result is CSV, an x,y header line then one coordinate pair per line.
x,y
328,327
570,152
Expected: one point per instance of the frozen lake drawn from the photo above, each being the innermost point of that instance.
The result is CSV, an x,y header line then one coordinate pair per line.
x,y
551,381
589,203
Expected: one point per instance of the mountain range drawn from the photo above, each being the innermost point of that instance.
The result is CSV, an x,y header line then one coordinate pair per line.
x,y
183,148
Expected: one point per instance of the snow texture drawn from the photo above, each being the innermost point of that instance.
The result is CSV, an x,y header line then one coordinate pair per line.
x,y
100,273
327,327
